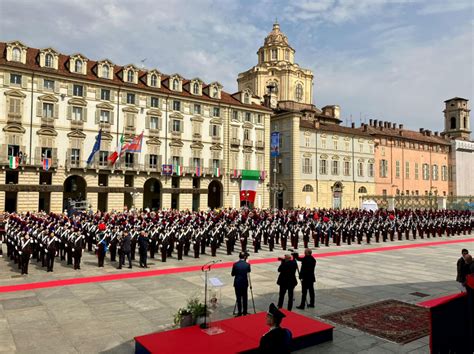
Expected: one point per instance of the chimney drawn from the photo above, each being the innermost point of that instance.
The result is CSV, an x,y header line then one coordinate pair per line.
x,y
394,126
370,122
428,132
365,127
380,124
353,125
436,134
375,122
422,130
400,126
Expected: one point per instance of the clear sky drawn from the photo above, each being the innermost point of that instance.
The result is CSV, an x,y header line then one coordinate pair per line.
x,y
395,60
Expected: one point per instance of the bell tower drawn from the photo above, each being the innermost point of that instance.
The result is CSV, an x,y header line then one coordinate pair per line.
x,y
456,118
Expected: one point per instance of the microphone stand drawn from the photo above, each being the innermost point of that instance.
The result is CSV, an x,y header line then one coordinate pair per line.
x,y
206,268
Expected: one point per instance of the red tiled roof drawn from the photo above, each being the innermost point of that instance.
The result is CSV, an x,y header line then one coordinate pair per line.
x,y
32,63
405,134
335,128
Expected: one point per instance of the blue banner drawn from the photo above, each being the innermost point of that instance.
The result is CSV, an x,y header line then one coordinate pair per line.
x,y
167,170
275,144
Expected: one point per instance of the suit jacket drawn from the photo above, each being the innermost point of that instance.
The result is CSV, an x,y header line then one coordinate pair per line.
x,y
308,263
240,269
287,277
126,244
275,341
143,242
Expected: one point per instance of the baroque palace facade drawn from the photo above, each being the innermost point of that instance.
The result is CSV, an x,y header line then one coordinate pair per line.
x,y
53,105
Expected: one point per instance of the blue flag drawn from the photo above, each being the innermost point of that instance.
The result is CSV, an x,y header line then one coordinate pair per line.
x,y
96,147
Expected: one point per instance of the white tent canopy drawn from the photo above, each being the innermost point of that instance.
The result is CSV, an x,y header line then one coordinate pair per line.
x,y
369,205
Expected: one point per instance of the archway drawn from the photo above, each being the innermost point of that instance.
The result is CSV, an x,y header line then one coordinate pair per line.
x,y
214,195
74,191
337,195
152,194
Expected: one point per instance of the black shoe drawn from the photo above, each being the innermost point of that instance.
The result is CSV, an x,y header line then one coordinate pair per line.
x,y
129,267
312,306
119,268
300,307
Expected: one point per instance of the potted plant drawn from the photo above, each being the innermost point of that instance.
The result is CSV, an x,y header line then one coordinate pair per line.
x,y
197,309
183,317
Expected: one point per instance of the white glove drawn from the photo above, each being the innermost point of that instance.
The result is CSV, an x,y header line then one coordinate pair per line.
x,y
20,253
46,251
73,249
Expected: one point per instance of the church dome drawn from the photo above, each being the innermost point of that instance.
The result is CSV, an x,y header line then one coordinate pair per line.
x,y
276,37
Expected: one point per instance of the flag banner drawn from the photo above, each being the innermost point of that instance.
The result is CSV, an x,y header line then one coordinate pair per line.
x,y
275,144
249,184
217,172
116,154
178,170
197,171
167,170
46,164
263,175
14,162
96,147
135,145
235,174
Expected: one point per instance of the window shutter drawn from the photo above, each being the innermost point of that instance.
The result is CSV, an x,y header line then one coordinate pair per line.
x,y
97,93
24,81
148,101
210,129
54,154
69,112
113,96
97,116
124,98
37,155
84,91
56,86
6,80
170,126
159,163
56,111
147,121
69,89
39,108
84,114
111,118
218,130
40,84
181,161
191,162
160,123
147,160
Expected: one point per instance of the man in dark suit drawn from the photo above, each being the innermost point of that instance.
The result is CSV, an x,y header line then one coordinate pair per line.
x,y
277,340
462,270
287,280
126,248
143,245
240,271
308,263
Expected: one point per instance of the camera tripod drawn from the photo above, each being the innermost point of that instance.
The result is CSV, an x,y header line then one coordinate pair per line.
x,y
251,294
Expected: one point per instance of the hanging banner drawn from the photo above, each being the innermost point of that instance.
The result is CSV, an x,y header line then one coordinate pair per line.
x,y
275,144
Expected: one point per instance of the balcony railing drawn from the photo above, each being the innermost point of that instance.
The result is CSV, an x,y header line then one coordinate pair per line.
x,y
25,161
235,141
14,118
129,130
260,144
77,124
197,136
248,143
47,122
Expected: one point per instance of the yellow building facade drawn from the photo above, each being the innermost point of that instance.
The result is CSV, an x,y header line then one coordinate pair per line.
x,y
53,105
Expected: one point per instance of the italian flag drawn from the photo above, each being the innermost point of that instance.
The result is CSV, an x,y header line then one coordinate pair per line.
x,y
248,187
217,172
13,162
116,154
178,170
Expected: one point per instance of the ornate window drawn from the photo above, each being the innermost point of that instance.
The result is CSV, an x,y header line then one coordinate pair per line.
x,y
362,190
453,123
299,92
307,165
308,188
196,88
323,167
274,54
78,66
16,54
153,80
130,75
105,71
48,60
247,98
175,85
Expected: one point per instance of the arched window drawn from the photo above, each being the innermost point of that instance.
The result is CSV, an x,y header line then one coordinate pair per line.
x,y
78,66
175,85
215,92
247,98
287,54
453,123
130,75
154,80
308,188
16,54
105,71
48,60
299,92
362,190
196,88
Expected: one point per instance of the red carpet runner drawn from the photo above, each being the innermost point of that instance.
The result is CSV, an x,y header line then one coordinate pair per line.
x,y
158,272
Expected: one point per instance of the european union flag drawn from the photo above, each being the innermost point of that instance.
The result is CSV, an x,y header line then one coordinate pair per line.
x,y
95,148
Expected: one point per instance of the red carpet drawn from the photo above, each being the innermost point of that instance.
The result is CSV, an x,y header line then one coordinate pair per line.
x,y
394,320
158,272
241,334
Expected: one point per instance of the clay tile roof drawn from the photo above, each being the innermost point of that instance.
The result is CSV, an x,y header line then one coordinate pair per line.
x,y
334,128
32,63
406,134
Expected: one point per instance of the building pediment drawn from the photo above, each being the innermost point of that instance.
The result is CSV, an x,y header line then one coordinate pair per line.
x,y
216,121
216,147
15,93
247,150
77,102
76,134
197,145
107,136
197,119
153,141
105,105
247,125
176,143
176,115
14,128
154,112
129,109
47,132
50,98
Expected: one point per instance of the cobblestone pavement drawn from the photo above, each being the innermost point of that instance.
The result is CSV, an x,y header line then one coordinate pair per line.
x,y
105,316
